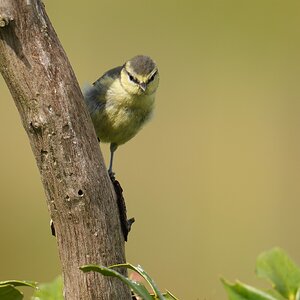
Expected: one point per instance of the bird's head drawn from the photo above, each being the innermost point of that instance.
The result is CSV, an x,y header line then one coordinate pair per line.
x,y
139,75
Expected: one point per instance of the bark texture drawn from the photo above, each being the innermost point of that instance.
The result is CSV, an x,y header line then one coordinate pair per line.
x,y
79,194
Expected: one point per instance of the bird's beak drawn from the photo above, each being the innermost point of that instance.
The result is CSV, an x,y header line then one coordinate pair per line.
x,y
143,86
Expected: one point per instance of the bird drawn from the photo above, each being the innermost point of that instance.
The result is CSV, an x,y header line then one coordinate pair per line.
x,y
122,100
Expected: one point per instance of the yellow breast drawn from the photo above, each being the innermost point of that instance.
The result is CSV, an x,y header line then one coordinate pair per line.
x,y
122,116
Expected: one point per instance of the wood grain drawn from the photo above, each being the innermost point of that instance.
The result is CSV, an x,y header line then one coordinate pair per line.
x,y
79,194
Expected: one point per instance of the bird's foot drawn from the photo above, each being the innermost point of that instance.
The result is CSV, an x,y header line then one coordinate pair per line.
x,y
111,174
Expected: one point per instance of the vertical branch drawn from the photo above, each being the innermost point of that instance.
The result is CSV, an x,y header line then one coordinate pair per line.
x,y
79,193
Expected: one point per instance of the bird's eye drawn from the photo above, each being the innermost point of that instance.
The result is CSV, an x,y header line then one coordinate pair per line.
x,y
131,77
152,77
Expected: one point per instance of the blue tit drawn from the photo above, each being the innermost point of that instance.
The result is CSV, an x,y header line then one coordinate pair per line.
x,y
122,101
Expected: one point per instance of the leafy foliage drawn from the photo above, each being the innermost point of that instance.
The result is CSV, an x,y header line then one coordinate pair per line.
x,y
275,266
137,287
9,292
43,291
8,289
54,289
49,291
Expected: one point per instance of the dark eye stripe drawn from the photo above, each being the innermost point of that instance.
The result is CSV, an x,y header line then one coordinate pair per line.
x,y
152,77
132,78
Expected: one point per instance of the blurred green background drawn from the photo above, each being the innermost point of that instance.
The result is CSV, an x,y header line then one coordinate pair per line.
x,y
213,179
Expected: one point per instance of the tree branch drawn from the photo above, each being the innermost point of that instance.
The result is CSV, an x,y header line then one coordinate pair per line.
x,y
79,194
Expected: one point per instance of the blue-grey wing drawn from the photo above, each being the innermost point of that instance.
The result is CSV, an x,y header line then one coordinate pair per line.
x,y
113,74
94,98
94,95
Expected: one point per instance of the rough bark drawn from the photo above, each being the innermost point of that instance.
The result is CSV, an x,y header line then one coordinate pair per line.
x,y
79,194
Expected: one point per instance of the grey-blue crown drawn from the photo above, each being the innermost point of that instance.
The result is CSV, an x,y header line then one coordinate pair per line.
x,y
142,64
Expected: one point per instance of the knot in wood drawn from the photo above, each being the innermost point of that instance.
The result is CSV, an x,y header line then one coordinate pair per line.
x,y
4,20
37,125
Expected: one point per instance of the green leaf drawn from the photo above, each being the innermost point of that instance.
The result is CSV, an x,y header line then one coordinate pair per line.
x,y
32,284
9,292
137,287
49,291
241,291
276,266
276,294
169,296
298,295
139,270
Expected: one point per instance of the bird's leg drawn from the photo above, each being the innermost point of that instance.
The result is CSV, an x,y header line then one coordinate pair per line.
x,y
113,148
125,224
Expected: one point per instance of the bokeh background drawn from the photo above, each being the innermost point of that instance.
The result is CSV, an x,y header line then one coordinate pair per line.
x,y
214,178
